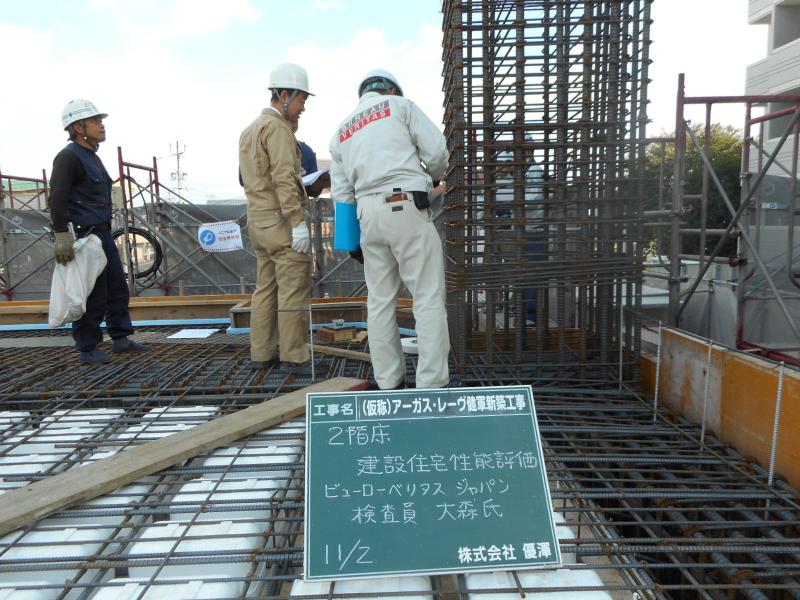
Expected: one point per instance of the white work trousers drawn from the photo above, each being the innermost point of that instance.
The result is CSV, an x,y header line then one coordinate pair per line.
x,y
400,242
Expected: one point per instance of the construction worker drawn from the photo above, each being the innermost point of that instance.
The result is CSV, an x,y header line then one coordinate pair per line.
x,y
80,193
308,159
377,161
531,190
269,162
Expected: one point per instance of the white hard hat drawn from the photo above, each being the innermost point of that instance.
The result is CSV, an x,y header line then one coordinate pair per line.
x,y
288,76
75,110
378,79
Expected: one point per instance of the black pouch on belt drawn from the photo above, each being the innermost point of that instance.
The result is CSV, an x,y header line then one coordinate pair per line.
x,y
421,200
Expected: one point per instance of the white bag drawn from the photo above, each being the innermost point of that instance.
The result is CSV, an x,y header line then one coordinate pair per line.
x,y
73,282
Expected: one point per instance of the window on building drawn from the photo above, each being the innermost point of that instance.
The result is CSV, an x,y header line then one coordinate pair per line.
x,y
776,127
785,25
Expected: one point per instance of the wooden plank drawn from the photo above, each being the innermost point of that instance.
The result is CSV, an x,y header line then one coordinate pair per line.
x,y
24,319
324,310
195,299
335,335
24,303
24,309
341,352
179,312
141,308
36,306
42,498
240,314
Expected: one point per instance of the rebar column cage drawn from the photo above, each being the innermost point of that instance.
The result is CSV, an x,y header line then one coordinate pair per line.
x,y
544,114
767,310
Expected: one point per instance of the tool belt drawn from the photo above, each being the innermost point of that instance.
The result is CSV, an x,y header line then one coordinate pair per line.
x,y
421,199
82,231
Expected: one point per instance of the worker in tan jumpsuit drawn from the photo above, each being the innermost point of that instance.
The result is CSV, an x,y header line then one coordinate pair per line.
x,y
269,162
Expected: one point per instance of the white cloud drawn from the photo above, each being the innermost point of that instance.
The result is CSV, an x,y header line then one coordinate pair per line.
x,y
156,21
335,74
150,96
153,97
31,107
712,43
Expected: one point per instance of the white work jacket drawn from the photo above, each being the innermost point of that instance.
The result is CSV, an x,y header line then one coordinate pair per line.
x,y
380,146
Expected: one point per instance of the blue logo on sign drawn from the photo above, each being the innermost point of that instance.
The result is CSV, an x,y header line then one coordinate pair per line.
x,y
207,237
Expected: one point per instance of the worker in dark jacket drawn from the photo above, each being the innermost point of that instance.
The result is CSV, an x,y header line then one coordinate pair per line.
x,y
308,159
81,194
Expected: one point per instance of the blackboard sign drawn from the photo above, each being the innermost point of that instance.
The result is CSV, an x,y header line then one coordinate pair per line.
x,y
425,481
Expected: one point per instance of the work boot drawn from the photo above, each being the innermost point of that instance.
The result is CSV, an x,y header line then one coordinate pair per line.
x,y
95,355
298,369
123,344
259,365
373,385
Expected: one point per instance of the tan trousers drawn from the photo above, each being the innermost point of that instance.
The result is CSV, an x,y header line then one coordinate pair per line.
x,y
279,308
400,243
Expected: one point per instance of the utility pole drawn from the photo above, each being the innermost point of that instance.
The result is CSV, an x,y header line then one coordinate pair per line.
x,y
178,175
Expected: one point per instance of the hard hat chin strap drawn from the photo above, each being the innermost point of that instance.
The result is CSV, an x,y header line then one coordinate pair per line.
x,y
286,104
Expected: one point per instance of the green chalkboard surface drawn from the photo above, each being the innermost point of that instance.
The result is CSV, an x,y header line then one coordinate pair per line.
x,y
425,481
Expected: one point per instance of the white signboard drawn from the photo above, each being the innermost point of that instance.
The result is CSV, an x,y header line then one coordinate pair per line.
x,y
192,334
223,236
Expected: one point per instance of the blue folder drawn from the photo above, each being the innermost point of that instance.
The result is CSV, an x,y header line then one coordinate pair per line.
x,y
347,232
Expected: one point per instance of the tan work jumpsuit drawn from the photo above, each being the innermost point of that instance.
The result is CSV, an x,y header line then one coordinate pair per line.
x,y
269,159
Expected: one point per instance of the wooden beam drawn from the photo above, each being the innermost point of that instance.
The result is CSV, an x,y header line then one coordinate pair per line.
x,y
324,310
345,334
141,308
354,354
42,498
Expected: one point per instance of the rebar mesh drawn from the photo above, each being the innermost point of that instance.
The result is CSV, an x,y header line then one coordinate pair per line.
x,y
544,113
644,504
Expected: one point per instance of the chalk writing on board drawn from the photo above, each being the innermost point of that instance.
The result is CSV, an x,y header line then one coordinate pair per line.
x,y
425,481
340,556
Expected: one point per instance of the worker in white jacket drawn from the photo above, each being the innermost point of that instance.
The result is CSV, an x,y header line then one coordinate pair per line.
x,y
386,156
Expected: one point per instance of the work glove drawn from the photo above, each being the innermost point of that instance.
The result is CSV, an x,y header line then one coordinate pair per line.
x,y
64,251
357,254
301,238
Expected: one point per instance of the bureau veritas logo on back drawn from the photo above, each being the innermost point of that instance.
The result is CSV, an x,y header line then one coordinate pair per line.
x,y
359,121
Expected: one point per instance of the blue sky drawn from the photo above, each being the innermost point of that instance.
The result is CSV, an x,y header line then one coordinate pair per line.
x,y
197,69
232,35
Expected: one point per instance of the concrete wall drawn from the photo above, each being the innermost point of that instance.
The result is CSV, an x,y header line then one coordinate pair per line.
x,y
711,312
759,11
741,404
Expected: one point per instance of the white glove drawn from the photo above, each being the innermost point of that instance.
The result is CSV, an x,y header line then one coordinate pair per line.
x,y
301,239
